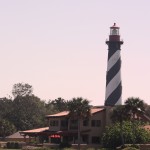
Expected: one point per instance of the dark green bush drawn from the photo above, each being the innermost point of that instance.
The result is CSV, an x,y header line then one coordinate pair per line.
x,y
64,145
112,135
8,145
135,146
106,149
16,145
13,145
130,148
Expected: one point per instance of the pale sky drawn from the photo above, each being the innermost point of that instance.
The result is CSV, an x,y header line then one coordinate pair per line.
x,y
58,47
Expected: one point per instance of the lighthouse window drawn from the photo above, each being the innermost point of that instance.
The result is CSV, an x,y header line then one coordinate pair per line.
x,y
114,32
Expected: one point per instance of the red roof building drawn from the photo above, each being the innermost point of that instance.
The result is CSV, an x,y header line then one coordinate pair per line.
x,y
62,128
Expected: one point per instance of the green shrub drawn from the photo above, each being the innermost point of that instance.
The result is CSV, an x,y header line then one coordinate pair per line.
x,y
43,148
64,145
105,149
8,145
16,145
112,135
135,146
12,145
130,148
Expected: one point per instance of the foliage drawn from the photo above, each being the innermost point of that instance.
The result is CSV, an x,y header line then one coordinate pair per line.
x,y
22,89
6,106
119,114
55,106
147,109
64,145
112,138
59,104
6,128
135,107
79,108
13,145
28,112
130,148
105,149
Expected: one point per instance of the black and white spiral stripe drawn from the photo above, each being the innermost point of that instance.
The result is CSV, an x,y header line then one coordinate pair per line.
x,y
113,79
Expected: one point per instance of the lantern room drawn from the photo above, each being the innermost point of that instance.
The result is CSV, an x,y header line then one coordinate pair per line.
x,y
114,33
114,30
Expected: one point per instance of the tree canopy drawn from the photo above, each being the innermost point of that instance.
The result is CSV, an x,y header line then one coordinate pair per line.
x,y
27,111
112,138
79,108
22,89
131,111
119,115
6,128
134,106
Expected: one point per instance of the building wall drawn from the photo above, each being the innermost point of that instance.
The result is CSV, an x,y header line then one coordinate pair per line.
x,y
96,130
58,127
91,131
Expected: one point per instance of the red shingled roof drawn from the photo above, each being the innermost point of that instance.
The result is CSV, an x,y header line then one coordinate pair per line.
x,y
95,110
65,113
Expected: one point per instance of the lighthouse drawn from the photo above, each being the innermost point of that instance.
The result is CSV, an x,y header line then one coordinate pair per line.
x,y
113,76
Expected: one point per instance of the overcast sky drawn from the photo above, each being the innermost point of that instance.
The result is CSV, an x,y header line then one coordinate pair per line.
x,y
58,47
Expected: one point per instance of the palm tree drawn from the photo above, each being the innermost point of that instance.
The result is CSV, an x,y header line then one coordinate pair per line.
x,y
79,109
135,107
120,114
59,104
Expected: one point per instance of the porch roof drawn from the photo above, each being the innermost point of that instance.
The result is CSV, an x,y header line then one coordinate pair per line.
x,y
46,131
34,132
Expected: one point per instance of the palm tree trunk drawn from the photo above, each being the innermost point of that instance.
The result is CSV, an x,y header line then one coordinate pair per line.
x,y
79,134
133,128
68,124
122,138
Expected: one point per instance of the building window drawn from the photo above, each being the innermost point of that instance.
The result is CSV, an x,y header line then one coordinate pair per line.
x,y
53,122
74,124
96,123
64,123
85,138
95,140
85,122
